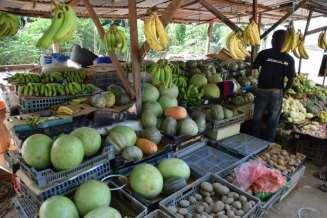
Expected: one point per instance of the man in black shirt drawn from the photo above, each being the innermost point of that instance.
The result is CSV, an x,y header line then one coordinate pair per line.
x,y
273,66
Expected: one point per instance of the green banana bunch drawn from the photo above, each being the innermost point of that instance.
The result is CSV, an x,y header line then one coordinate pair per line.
x,y
9,24
62,28
192,95
162,73
114,40
24,78
34,121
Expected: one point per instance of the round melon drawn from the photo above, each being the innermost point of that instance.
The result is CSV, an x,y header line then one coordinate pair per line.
x,y
103,212
91,195
170,92
58,206
212,91
146,180
67,152
132,153
148,119
188,127
121,137
166,101
90,138
174,167
154,107
199,80
36,151
149,93
153,134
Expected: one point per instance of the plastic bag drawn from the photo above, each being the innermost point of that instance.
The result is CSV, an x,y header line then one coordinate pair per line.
x,y
256,176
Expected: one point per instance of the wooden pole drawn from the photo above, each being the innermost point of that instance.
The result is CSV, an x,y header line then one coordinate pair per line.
x,y
119,69
209,37
254,48
166,18
317,30
282,19
132,16
219,15
304,35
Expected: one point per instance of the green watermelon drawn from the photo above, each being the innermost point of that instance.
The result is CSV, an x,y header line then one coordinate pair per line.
x,y
121,137
103,212
154,107
188,127
153,134
58,206
149,93
169,126
166,101
148,119
217,112
171,92
174,167
90,138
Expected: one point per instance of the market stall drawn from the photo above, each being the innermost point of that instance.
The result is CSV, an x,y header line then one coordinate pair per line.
x,y
92,142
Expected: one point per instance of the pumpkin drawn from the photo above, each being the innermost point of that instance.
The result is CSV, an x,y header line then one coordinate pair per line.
x,y
152,133
169,126
188,127
132,153
147,146
177,112
148,119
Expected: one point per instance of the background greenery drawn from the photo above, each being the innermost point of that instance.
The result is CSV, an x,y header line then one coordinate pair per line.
x,y
184,40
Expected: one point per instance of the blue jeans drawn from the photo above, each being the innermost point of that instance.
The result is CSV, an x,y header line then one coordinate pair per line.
x,y
270,100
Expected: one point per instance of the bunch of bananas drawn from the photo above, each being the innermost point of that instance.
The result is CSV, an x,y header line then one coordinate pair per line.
x,y
322,40
115,40
155,33
55,89
192,95
64,110
25,78
236,46
291,40
161,73
62,28
9,24
299,51
251,34
34,120
323,116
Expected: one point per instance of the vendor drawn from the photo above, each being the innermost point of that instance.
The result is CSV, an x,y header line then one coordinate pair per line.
x,y
273,66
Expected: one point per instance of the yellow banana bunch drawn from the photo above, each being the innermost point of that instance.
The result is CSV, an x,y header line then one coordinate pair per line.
x,y
115,40
155,33
251,34
9,24
322,40
63,110
62,28
236,46
301,49
291,40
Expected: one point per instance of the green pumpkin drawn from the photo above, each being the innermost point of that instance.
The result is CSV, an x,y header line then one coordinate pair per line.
x,y
148,119
132,153
152,133
217,112
169,126
188,127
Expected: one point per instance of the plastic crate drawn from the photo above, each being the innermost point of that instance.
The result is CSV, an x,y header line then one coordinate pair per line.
x,y
294,180
184,193
104,79
240,117
203,159
106,117
49,177
25,207
157,214
180,142
244,144
225,132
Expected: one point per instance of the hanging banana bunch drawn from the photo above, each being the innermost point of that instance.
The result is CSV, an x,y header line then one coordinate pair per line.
x,y
301,49
322,40
9,24
162,74
291,40
62,28
115,40
155,33
236,46
251,34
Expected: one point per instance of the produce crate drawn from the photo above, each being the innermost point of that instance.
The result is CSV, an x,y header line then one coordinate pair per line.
x,y
104,79
184,193
240,117
225,132
180,142
98,164
244,144
157,214
203,159
25,207
292,183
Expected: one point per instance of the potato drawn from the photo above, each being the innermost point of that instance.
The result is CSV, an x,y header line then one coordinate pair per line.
x,y
184,203
220,189
227,200
246,206
195,215
233,195
205,193
284,153
243,199
206,186
188,215
237,204
198,197
199,208
230,213
192,199
217,206
208,200
281,162
182,211
239,212
179,215
227,207
222,216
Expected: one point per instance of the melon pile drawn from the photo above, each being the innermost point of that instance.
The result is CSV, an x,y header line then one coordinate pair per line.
x,y
64,153
90,200
169,176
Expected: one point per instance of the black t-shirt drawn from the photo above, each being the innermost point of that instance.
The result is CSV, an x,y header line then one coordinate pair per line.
x,y
275,66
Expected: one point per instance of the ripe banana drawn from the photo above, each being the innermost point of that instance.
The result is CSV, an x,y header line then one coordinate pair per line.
x,y
322,40
162,34
155,33
301,48
63,110
251,34
236,46
9,24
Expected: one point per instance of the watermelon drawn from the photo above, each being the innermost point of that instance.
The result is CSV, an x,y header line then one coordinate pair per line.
x,y
154,107
148,119
58,206
171,92
91,195
67,152
90,138
153,134
169,126
188,127
36,151
217,112
150,93
173,184
174,167
146,180
132,153
103,212
166,101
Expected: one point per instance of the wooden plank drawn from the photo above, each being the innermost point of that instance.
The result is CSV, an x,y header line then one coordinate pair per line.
x,y
166,17
219,15
119,69
135,52
282,19
304,35
317,30
254,49
209,33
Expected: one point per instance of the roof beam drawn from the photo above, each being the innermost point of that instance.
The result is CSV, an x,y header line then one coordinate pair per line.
x,y
317,30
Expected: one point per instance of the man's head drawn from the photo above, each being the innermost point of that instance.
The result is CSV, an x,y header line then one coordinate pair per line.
x,y
278,39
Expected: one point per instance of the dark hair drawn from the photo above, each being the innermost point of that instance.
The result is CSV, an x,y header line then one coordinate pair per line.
x,y
278,39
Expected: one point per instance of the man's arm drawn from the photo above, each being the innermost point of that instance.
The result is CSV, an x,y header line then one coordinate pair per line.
x,y
290,75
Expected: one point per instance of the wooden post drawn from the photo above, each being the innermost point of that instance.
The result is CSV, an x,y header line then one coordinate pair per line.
x,y
209,37
304,35
132,16
254,48
166,17
281,20
119,69
219,15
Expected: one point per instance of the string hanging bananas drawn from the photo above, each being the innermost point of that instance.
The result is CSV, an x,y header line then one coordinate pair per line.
x,y
62,28
155,33
236,46
115,40
322,40
9,24
251,34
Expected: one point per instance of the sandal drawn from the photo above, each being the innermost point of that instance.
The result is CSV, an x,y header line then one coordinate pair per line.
x,y
321,175
323,187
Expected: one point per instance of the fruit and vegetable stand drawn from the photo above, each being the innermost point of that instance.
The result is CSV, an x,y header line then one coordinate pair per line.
x,y
166,143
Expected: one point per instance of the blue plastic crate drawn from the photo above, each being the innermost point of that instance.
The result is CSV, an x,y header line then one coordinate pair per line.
x,y
25,207
244,144
49,177
203,159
